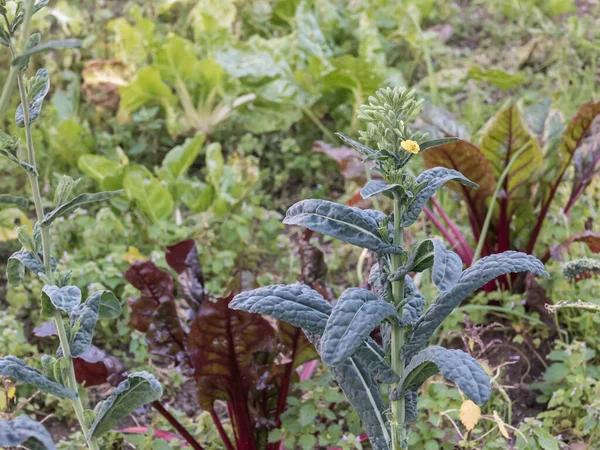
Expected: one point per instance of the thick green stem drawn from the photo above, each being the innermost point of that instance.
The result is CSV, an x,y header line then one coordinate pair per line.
x,y
398,411
46,252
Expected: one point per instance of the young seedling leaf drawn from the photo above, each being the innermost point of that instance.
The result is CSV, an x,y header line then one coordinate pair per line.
x,y
137,390
296,304
431,180
25,432
40,85
354,316
13,367
455,365
23,59
64,298
480,273
77,202
352,225
447,267
375,187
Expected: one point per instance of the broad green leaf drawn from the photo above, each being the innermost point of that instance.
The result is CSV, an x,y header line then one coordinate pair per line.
x,y
352,225
149,193
310,38
64,298
546,123
146,89
455,365
131,43
179,159
480,273
504,135
14,200
375,187
77,202
85,317
37,89
296,304
110,307
176,60
497,77
16,368
215,163
441,123
25,432
431,180
447,267
249,64
465,158
98,167
354,316
23,58
362,391
137,390
198,196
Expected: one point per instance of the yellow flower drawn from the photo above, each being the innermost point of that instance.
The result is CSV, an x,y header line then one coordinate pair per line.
x,y
410,146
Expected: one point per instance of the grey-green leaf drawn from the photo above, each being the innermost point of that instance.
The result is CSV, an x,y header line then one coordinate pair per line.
x,y
356,313
137,390
410,406
84,319
80,200
23,58
22,164
375,187
352,225
414,302
361,389
434,142
41,86
447,267
373,356
18,261
16,368
297,304
64,298
419,260
110,306
362,149
455,365
431,180
480,273
25,432
14,200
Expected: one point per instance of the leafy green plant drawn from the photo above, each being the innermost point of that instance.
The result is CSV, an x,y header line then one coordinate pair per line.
x,y
245,360
522,158
59,298
570,389
341,333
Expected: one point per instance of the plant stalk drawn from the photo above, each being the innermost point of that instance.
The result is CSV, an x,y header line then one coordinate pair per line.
x,y
398,412
46,252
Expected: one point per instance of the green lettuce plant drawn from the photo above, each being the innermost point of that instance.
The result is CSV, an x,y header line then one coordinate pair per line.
x,y
341,333
59,298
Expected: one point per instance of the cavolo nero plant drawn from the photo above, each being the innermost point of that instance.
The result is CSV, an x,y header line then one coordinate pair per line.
x,y
60,297
341,333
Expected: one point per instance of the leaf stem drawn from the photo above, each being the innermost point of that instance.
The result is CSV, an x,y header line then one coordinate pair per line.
x,y
46,252
488,217
175,424
398,408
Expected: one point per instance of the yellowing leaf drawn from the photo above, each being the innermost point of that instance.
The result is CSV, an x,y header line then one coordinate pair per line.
x,y
470,414
11,392
501,425
133,255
